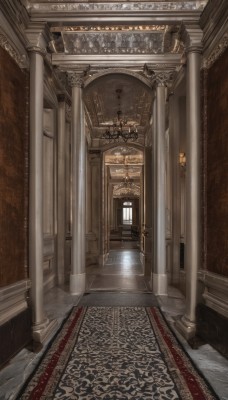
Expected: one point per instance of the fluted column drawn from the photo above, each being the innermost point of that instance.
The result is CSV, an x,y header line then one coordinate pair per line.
x,y
187,324
61,160
41,325
159,273
77,277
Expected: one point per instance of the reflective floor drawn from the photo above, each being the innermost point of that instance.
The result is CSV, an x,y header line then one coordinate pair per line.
x,y
122,273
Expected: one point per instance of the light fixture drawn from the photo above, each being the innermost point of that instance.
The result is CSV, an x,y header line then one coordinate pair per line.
x,y
127,181
182,160
120,130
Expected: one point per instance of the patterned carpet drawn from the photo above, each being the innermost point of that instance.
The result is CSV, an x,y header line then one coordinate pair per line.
x,y
116,353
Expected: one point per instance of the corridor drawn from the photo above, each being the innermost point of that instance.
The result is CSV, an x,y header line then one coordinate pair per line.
x,y
122,272
58,303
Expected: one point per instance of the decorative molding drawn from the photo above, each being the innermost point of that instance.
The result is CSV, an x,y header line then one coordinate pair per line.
x,y
68,112
216,52
112,42
75,79
38,37
17,57
112,70
125,7
191,36
37,49
163,78
109,28
13,300
216,291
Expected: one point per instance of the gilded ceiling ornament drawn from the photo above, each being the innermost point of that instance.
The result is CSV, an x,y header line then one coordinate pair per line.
x,y
109,28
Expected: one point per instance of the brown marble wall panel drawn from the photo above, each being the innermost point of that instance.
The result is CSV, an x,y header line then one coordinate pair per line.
x,y
217,167
13,173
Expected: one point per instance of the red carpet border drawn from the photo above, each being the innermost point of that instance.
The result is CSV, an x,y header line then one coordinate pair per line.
x,y
116,353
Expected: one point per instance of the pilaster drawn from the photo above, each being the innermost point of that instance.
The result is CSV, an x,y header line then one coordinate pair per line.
x,y
41,325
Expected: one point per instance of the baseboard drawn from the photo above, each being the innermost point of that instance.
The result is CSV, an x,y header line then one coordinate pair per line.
x,y
14,335
212,328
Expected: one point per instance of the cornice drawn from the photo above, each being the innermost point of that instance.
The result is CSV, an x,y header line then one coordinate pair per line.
x,y
19,58
37,7
216,52
135,62
214,22
192,36
38,36
12,39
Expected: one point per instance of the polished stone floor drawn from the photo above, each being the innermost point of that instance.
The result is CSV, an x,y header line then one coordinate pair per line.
x,y
122,271
58,302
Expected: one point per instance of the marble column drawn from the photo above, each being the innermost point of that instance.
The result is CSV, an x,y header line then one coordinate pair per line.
x,y
61,161
77,277
147,212
41,325
159,272
187,324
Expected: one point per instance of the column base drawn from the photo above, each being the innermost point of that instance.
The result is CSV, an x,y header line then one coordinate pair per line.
x,y
77,283
186,328
160,285
43,331
102,259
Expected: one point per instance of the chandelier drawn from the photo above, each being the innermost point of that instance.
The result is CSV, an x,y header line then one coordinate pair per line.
x,y
120,130
127,181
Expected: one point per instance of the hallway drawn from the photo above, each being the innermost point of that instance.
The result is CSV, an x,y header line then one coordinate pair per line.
x,y
122,272
58,303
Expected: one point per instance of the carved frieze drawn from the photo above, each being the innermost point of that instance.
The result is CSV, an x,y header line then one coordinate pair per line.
x,y
122,190
113,42
17,57
79,7
217,52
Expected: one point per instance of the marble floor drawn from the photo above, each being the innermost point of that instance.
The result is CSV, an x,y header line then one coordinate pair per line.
x,y
122,271
58,302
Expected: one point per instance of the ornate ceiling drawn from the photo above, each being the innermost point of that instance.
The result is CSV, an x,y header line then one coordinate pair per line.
x,y
93,37
114,92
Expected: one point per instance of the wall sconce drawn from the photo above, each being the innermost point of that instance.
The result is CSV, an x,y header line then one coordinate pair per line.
x,y
182,160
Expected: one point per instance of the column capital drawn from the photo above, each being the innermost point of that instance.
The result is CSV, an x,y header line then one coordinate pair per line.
x,y
75,79
192,36
38,37
162,78
37,49
61,97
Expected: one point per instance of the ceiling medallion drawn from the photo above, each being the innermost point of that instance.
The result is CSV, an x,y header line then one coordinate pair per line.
x,y
120,130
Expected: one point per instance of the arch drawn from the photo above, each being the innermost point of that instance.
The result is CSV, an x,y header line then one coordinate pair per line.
x,y
124,71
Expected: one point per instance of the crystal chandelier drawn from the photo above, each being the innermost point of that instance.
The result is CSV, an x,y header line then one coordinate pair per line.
x,y
120,130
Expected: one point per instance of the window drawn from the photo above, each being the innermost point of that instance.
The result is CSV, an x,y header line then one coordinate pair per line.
x,y
127,213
